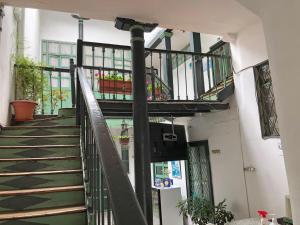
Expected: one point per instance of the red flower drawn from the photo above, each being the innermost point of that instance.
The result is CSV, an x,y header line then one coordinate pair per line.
x,y
262,213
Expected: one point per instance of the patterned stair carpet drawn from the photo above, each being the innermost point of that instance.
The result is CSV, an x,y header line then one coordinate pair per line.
x,y
41,173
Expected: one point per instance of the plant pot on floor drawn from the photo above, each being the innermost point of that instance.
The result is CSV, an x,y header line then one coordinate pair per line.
x,y
24,109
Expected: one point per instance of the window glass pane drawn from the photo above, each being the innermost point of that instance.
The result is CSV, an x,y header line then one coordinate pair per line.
x,y
66,49
65,62
65,83
266,101
54,61
53,48
44,47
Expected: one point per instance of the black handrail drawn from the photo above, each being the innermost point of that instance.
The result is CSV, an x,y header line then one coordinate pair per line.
x,y
162,51
102,160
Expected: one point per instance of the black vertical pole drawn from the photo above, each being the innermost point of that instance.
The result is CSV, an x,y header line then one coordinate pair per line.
x,y
195,42
80,29
72,76
79,64
140,123
167,62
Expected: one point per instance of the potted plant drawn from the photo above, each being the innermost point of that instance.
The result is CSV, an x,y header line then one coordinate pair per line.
x,y
202,212
114,83
29,84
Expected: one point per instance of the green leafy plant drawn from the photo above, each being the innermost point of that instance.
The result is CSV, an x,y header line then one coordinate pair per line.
x,y
203,211
28,78
57,97
113,76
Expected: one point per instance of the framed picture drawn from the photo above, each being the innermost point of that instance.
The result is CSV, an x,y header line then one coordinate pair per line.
x,y
176,169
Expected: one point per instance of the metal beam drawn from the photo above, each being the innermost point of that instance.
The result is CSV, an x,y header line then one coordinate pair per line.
x,y
195,43
175,108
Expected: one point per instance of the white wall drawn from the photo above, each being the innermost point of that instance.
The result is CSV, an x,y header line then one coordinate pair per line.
x,y
32,33
7,46
62,27
221,129
236,132
265,155
281,25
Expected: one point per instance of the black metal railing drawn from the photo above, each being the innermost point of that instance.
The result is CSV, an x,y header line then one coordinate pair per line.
x,y
171,75
110,196
52,88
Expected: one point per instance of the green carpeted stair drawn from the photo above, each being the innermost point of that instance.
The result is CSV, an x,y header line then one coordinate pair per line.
x,y
41,174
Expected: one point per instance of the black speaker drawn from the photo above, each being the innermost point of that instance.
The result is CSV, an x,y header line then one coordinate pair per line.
x,y
166,145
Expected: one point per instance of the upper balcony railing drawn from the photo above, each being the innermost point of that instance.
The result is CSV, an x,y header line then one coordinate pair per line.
x,y
170,75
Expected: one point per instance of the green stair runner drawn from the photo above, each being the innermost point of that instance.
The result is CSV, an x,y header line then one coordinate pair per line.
x,y
41,180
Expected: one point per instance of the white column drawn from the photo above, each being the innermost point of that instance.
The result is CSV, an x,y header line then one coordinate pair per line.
x,y
280,20
32,33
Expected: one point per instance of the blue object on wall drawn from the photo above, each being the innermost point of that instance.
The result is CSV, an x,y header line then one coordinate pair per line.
x,y
176,169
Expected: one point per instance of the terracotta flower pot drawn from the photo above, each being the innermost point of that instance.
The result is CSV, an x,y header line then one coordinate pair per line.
x,y
115,86
24,109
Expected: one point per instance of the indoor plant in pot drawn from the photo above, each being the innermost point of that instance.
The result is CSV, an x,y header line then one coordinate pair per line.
x,y
203,212
114,83
28,84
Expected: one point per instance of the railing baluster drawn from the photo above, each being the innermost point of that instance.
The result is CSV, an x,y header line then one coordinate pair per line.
x,y
152,78
123,74
194,77
114,73
185,78
177,73
92,70
51,94
102,200
98,187
60,91
108,209
160,76
103,65
109,84
33,85
208,73
42,80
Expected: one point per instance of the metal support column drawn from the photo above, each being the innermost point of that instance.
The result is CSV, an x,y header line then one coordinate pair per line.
x,y
140,113
195,43
140,123
80,29
79,64
167,62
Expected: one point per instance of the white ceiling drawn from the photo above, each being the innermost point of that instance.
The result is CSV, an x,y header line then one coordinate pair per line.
x,y
219,17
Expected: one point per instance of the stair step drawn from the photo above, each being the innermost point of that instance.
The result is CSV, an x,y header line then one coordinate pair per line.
x,y
40,179
39,164
39,151
40,173
40,130
40,190
37,159
42,200
38,140
50,121
46,213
